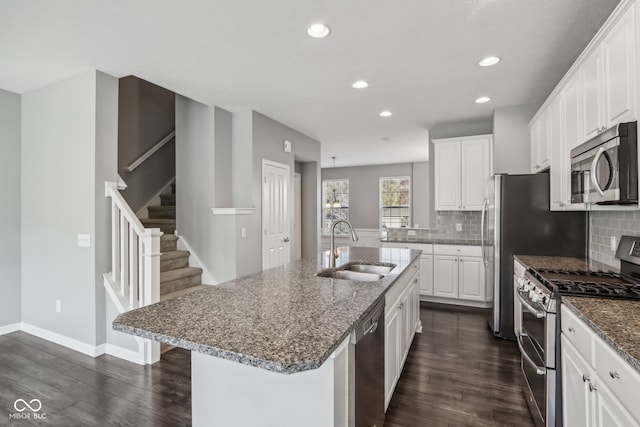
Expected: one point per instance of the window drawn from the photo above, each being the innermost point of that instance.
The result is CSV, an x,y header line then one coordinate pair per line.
x,y
395,202
335,196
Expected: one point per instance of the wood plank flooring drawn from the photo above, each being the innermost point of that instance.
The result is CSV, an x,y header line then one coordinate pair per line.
x,y
456,374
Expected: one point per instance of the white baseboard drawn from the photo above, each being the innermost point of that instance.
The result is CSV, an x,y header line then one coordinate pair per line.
x,y
124,353
62,340
194,261
7,329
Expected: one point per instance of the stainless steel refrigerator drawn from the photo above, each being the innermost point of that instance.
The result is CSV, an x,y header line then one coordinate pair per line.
x,y
516,220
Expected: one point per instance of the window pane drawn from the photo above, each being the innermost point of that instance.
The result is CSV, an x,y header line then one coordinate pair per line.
x,y
395,200
335,196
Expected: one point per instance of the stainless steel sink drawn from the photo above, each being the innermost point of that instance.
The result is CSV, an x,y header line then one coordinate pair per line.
x,y
358,271
372,269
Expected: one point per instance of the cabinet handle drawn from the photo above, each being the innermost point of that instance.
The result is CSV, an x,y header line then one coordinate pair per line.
x,y
591,386
585,378
614,374
571,329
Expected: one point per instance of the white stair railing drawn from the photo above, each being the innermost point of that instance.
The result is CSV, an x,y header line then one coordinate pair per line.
x,y
134,280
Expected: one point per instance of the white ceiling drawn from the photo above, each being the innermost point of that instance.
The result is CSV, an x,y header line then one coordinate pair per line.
x,y
419,56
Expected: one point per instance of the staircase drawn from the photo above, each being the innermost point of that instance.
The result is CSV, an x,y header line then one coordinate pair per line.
x,y
176,276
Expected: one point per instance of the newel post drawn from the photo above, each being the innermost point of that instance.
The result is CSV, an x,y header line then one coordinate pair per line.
x,y
151,259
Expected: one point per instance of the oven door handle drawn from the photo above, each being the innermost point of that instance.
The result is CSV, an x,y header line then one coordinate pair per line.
x,y
594,164
538,313
540,370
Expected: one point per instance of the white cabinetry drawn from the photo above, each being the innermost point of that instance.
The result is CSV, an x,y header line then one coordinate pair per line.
x,y
462,169
599,388
402,319
458,273
609,80
540,142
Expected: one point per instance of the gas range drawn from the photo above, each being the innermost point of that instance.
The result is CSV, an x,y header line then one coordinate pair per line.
x,y
601,284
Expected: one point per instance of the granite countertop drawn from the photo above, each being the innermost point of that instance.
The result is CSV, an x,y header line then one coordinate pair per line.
x,y
438,240
617,322
285,319
563,263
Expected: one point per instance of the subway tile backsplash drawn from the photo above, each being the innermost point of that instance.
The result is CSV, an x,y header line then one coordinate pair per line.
x,y
606,224
445,225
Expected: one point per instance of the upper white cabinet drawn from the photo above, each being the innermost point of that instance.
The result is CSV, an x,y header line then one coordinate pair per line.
x,y
599,91
540,141
609,80
462,169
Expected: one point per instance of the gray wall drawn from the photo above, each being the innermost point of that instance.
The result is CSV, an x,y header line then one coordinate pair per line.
x,y
364,188
146,115
10,290
268,137
511,139
66,129
212,238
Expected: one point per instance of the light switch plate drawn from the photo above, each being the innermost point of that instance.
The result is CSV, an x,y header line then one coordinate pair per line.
x,y
411,232
614,243
458,226
243,232
84,240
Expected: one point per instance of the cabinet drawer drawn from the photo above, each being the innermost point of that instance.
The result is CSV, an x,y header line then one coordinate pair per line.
x,y
457,250
578,333
622,379
393,295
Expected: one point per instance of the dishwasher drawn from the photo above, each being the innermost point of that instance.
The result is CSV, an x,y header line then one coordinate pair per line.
x,y
369,369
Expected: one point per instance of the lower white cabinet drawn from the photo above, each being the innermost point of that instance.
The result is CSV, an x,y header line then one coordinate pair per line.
x,y
599,388
426,274
458,273
402,319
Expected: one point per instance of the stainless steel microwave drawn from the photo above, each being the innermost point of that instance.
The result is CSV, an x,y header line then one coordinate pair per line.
x,y
604,170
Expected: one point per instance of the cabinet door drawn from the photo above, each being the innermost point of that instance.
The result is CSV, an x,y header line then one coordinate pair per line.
x,y
608,410
391,353
576,398
572,136
426,275
619,71
445,276
556,145
476,170
591,76
447,176
539,143
471,279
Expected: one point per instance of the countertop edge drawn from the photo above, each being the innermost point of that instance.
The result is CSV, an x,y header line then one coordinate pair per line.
x,y
616,347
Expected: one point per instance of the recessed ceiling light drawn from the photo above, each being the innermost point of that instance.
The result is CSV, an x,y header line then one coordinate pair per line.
x,y
318,31
360,84
489,61
386,113
483,100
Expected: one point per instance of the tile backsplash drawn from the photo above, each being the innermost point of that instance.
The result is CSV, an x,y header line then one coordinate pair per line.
x,y
603,225
445,225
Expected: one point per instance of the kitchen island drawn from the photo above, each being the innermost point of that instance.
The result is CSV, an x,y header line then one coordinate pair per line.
x,y
247,334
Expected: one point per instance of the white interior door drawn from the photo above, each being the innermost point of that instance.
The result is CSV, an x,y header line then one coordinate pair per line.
x,y
297,217
275,214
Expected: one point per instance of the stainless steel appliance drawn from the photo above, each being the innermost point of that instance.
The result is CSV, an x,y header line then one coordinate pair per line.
x,y
369,370
538,325
516,220
604,170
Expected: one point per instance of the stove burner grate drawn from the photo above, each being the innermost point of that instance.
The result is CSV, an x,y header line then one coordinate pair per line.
x,y
596,289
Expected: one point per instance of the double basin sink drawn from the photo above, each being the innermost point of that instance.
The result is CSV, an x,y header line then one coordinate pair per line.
x,y
358,271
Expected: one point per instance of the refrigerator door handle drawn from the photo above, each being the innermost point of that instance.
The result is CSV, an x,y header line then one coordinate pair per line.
x,y
483,231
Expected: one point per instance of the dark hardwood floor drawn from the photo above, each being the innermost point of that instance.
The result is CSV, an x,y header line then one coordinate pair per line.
x,y
456,374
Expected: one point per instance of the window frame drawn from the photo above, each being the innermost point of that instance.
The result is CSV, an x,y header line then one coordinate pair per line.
x,y
323,207
410,197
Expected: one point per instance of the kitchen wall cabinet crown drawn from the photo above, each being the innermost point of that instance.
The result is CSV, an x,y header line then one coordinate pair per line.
x,y
598,92
462,168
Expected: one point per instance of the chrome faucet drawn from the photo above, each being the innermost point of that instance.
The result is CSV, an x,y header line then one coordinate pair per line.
x,y
354,237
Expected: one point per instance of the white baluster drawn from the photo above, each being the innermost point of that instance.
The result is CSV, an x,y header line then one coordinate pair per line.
x,y
133,269
124,255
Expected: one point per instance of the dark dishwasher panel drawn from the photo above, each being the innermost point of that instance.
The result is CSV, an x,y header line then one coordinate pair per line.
x,y
369,370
